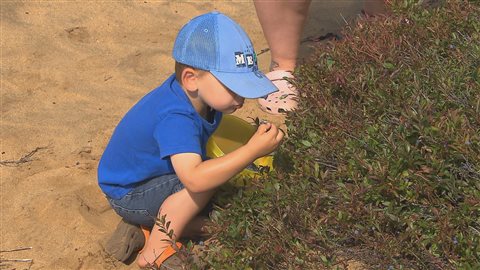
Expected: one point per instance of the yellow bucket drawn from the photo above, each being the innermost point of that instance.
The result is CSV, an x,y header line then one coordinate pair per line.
x,y
232,133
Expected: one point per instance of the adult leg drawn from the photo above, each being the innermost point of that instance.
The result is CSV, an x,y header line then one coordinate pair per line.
x,y
282,23
180,208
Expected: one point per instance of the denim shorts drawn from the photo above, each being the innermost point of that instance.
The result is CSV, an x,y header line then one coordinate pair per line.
x,y
140,205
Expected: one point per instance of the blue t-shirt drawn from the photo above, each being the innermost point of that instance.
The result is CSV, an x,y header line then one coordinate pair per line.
x,y
161,124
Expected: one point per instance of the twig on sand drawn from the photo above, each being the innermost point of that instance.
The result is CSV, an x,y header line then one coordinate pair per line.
x,y
24,159
5,262
16,260
16,249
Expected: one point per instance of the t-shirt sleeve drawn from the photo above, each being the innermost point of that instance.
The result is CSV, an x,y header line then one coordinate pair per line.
x,y
178,133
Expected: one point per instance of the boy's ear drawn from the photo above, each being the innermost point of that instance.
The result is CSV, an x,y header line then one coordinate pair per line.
x,y
189,79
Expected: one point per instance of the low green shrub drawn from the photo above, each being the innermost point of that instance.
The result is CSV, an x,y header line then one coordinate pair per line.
x,y
382,163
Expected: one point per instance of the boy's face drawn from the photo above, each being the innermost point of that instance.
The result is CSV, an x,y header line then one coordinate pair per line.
x,y
216,95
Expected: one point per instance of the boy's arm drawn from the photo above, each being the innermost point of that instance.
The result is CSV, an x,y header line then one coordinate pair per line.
x,y
201,176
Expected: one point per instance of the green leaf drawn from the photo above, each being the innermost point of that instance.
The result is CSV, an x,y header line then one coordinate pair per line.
x,y
306,143
330,63
388,65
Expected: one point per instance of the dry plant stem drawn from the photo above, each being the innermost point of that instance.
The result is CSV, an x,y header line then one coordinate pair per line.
x,y
16,249
16,260
24,159
326,37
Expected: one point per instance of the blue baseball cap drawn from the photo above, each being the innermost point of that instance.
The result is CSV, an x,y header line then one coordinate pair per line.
x,y
216,43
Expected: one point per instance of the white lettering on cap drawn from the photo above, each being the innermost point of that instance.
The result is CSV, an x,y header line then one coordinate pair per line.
x,y
250,61
239,59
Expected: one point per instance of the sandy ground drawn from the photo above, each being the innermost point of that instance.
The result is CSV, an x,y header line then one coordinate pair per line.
x,y
69,72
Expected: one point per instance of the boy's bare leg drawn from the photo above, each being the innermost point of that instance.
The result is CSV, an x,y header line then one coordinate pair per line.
x,y
196,227
282,23
180,208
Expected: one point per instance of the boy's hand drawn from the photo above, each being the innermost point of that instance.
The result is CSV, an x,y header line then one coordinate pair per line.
x,y
265,140
201,176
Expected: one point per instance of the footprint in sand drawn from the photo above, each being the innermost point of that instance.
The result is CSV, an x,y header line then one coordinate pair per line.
x,y
78,34
87,160
93,206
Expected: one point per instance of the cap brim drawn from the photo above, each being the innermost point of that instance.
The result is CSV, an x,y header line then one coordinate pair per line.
x,y
246,84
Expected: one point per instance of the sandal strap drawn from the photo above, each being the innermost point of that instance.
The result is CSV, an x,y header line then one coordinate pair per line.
x,y
167,253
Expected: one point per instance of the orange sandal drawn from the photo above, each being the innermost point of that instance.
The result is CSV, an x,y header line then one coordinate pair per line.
x,y
167,253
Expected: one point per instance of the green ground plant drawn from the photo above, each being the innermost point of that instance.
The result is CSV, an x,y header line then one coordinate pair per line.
x,y
382,163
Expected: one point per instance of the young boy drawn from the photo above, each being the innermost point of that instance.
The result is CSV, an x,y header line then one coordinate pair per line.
x,y
155,163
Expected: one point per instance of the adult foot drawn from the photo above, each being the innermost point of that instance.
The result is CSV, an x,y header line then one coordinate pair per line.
x,y
285,99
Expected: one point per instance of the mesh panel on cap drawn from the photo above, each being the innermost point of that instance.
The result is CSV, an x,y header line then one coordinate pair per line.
x,y
181,40
202,45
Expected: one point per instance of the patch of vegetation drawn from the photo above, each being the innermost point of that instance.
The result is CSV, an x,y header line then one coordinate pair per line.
x,y
382,163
